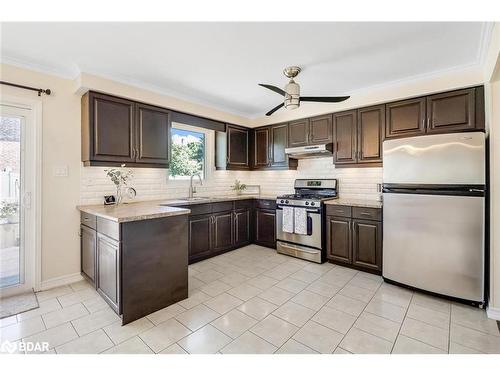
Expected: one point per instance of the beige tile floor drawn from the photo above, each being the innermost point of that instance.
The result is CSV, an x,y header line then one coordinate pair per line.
x,y
253,300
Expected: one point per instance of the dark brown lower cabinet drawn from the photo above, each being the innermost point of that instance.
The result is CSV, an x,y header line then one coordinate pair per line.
x,y
222,229
131,257
88,243
353,240
108,270
338,234
213,233
199,236
367,244
242,232
265,227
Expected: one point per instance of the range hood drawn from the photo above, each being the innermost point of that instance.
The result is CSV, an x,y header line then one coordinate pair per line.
x,y
306,152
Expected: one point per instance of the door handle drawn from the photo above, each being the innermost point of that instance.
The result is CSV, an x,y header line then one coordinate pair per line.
x,y
27,200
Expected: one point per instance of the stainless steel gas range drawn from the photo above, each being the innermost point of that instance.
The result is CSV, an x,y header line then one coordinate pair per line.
x,y
300,219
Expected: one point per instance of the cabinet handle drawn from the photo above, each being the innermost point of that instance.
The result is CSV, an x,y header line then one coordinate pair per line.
x,y
365,213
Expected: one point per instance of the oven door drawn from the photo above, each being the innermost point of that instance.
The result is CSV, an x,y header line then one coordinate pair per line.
x,y
313,239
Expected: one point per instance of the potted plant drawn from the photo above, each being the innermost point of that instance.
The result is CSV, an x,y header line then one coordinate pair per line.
x,y
9,212
119,177
238,187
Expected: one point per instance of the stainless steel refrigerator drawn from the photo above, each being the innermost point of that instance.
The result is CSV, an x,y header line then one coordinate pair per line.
x,y
433,212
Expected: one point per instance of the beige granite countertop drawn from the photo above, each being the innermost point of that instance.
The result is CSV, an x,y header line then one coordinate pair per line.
x,y
144,210
355,202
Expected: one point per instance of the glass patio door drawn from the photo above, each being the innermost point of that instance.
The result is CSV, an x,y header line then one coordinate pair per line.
x,y
16,253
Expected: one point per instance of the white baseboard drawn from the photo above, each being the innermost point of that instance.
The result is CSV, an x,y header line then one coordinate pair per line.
x,y
61,280
493,313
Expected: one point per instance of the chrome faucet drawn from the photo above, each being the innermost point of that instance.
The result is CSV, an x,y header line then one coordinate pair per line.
x,y
192,189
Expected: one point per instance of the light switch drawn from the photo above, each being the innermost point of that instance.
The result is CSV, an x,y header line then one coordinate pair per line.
x,y
61,171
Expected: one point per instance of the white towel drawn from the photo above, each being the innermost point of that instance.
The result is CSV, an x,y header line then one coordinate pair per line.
x,y
287,219
300,219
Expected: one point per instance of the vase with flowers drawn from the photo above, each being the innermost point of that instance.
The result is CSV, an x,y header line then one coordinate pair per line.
x,y
119,177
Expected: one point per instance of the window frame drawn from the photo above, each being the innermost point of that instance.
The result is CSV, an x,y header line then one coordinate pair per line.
x,y
209,161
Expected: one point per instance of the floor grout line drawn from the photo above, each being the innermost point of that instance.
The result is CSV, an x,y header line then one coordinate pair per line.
x,y
402,322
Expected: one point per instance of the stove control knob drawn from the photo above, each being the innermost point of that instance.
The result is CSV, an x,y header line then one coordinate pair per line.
x,y
312,203
286,201
307,203
282,201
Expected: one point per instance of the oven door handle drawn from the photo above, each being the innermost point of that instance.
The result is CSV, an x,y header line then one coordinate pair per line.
x,y
309,225
309,211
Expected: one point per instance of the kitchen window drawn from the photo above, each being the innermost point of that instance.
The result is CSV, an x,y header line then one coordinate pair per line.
x,y
190,149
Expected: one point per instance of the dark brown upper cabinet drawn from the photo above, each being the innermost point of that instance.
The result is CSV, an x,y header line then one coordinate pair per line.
x,y
405,118
298,133
270,143
320,130
357,136
233,148
453,111
279,141
152,135
370,134
108,129
117,131
238,141
262,147
344,137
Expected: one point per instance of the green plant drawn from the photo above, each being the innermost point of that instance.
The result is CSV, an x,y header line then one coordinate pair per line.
x,y
8,209
187,159
238,186
119,177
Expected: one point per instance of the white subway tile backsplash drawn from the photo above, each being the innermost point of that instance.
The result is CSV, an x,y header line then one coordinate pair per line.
x,y
152,183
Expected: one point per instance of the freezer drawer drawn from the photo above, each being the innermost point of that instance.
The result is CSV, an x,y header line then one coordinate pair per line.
x,y
435,243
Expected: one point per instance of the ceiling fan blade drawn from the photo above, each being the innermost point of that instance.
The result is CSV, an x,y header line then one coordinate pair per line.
x,y
274,109
324,99
273,88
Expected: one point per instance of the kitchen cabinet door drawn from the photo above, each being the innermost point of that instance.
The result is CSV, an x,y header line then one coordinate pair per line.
x,y
405,118
279,141
451,111
367,244
108,270
152,135
222,229
371,122
242,228
262,147
320,130
88,246
338,238
237,147
200,234
298,133
265,227
110,129
344,137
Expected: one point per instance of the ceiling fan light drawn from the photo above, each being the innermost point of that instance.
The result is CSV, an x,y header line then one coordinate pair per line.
x,y
292,97
292,101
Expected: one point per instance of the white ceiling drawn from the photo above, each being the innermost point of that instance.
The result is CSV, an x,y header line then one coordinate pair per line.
x,y
220,64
